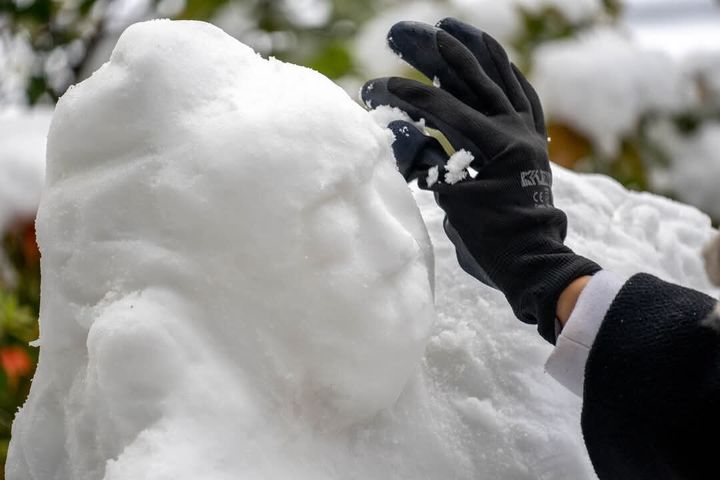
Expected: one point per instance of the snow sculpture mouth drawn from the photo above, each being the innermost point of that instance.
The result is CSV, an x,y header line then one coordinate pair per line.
x,y
223,237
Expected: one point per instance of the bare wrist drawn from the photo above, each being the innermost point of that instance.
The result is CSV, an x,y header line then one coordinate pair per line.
x,y
568,298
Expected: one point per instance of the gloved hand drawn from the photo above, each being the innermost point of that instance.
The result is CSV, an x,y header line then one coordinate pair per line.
x,y
506,231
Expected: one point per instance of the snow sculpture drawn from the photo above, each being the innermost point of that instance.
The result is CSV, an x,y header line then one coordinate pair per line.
x,y
218,231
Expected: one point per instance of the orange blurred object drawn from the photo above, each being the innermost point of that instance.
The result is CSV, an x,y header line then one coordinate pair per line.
x,y
567,146
16,363
29,244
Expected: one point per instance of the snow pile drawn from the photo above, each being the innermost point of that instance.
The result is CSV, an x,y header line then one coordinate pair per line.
x,y
22,162
235,285
601,83
629,232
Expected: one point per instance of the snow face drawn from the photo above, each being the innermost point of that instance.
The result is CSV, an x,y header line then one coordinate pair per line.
x,y
211,254
185,334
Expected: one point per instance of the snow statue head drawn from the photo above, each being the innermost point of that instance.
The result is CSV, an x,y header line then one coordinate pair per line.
x,y
226,244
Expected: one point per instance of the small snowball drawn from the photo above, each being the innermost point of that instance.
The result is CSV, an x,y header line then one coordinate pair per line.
x,y
457,165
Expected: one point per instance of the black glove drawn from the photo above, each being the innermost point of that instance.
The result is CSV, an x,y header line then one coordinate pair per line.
x,y
506,231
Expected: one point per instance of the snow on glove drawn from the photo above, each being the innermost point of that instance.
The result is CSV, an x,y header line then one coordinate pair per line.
x,y
506,231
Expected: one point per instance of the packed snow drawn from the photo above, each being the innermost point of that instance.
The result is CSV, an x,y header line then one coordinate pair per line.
x,y
238,284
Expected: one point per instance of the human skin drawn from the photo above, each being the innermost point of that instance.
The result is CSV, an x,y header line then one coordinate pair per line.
x,y
568,298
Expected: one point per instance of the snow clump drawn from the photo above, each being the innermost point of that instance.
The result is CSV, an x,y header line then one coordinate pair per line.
x,y
455,169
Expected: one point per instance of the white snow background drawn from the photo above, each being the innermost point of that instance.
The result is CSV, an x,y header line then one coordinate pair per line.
x,y
156,361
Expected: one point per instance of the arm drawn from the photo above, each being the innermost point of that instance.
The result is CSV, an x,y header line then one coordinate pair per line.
x,y
651,399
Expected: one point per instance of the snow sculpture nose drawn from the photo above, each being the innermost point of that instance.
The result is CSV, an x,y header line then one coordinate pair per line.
x,y
384,244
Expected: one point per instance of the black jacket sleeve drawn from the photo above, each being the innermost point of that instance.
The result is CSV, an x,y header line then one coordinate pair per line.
x,y
651,401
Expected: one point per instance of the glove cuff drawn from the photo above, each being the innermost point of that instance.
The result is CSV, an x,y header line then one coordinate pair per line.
x,y
549,275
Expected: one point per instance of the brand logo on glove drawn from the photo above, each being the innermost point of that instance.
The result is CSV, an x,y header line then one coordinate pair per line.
x,y
534,178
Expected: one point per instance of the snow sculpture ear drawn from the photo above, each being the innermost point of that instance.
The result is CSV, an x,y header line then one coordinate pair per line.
x,y
711,253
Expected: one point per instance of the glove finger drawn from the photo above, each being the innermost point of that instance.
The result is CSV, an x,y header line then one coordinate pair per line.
x,y
417,44
415,152
461,125
535,105
492,58
491,97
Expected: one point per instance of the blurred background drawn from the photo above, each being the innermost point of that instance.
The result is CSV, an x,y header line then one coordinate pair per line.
x,y
631,88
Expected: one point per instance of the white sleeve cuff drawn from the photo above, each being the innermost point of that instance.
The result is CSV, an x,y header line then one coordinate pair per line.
x,y
567,362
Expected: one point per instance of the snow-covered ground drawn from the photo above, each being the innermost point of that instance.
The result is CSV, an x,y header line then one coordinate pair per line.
x,y
235,285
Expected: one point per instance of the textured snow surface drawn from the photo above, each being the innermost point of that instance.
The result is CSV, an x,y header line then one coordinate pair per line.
x,y
235,285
